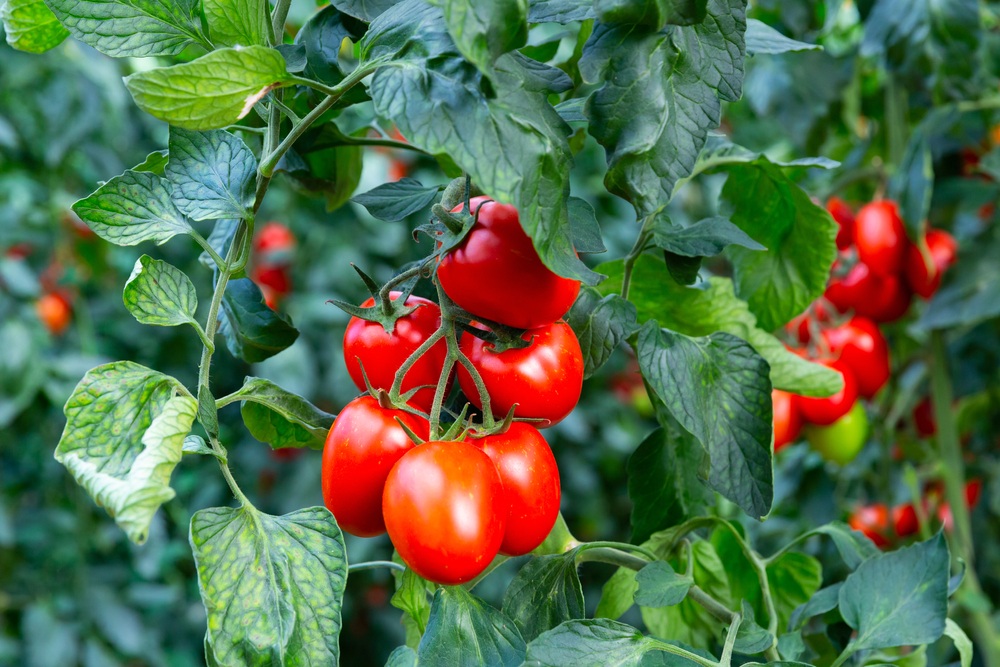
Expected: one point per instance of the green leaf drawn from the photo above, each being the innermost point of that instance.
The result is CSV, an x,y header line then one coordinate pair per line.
x,y
545,592
213,174
913,182
660,96
21,373
583,227
560,11
799,235
132,28
366,10
134,207
601,324
253,332
402,656
273,586
589,643
394,202
666,484
646,15
484,31
438,100
854,547
968,299
704,238
195,444
31,26
822,601
793,579
155,162
411,597
125,430
717,387
899,598
962,642
238,22
281,418
238,79
160,294
321,37
710,308
465,631
750,637
762,38
657,585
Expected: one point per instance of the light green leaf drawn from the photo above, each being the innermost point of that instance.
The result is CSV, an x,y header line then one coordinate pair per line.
x,y
212,174
31,26
273,586
237,77
762,38
134,207
125,430
962,642
281,418
160,294
238,22
131,28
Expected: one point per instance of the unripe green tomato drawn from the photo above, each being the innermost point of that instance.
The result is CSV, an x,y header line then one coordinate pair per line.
x,y
841,441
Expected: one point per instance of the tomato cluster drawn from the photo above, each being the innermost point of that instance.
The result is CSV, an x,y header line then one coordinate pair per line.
x,y
453,496
274,247
883,525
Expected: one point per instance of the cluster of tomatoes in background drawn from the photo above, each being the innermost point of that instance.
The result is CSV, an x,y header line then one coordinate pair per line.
x,y
274,251
452,496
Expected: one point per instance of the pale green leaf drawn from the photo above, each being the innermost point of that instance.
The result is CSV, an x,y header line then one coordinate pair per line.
x,y
160,294
31,26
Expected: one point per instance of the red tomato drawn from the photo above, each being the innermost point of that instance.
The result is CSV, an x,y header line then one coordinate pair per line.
x,y
803,326
825,411
543,379
787,421
925,280
863,348
496,274
881,237
382,354
530,483
273,237
54,311
873,521
923,418
904,520
880,298
973,490
398,169
275,278
445,510
844,216
364,443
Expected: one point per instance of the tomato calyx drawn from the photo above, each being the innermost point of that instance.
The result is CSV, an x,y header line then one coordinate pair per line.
x,y
389,305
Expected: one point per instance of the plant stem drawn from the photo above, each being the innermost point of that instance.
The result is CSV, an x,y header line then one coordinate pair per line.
x,y
727,648
895,121
848,651
677,650
621,546
637,249
278,21
711,605
374,565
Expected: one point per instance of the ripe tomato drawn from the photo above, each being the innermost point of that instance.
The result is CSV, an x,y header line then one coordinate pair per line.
x,y
825,411
803,326
54,311
273,237
495,273
543,379
530,482
787,420
873,521
382,354
923,418
275,278
880,298
881,237
445,510
863,349
904,520
925,280
844,216
841,441
364,443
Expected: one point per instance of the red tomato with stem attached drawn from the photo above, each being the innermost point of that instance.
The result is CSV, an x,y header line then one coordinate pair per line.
x,y
925,280
787,420
881,238
873,521
531,484
825,411
381,354
863,348
842,213
543,379
445,510
496,273
363,445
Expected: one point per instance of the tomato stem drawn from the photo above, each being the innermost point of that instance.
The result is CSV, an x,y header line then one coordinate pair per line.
x,y
727,648
278,19
637,249
374,565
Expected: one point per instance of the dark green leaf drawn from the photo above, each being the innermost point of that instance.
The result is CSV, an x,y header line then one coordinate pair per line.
x,y
238,22
212,173
704,238
332,171
321,37
589,643
538,77
799,236
970,298
281,418
220,239
666,484
366,10
132,28
134,207
465,631
657,585
913,183
651,15
560,11
273,586
750,637
684,270
899,598
718,388
601,324
660,96
160,294
545,592
571,110
821,602
793,579
403,656
253,332
31,26
583,227
395,201
852,545
484,31
762,38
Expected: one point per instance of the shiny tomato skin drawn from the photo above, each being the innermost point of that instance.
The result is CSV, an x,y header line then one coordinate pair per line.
x,y
889,302
924,280
54,311
531,484
873,521
382,354
842,213
495,272
881,238
787,421
880,298
363,445
543,379
825,411
841,441
445,510
861,346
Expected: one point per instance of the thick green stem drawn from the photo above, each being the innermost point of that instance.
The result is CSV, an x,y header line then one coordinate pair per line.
x,y
677,650
278,19
844,656
727,648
